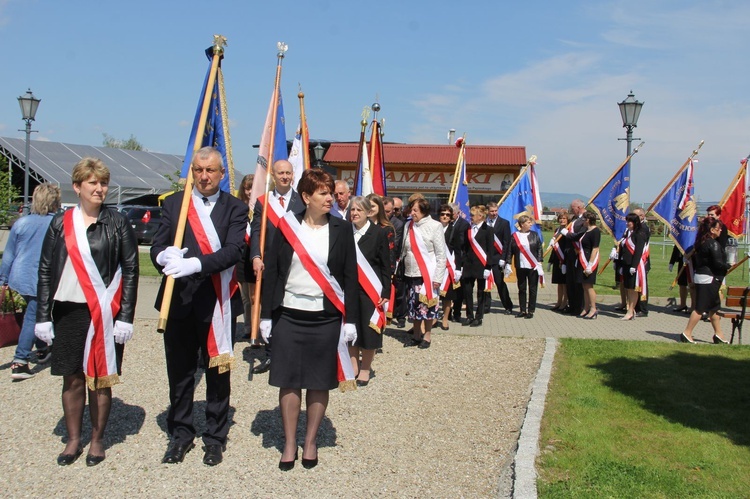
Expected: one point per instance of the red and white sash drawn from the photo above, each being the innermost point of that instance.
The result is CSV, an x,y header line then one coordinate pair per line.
x,y
498,244
641,280
524,252
449,279
321,274
372,286
582,256
219,341
426,263
558,250
482,257
99,358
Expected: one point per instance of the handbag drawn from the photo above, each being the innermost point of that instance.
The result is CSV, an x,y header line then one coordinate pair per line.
x,y
400,271
10,322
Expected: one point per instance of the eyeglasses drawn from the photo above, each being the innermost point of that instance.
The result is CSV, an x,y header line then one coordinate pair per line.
x,y
445,214
396,209
209,171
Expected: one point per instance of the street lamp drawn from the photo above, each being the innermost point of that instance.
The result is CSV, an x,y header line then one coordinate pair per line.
x,y
29,105
319,150
630,110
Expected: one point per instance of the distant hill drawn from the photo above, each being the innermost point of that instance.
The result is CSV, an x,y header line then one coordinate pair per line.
x,y
560,199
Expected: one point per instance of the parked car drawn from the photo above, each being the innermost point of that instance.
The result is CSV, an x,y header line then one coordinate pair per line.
x,y
145,220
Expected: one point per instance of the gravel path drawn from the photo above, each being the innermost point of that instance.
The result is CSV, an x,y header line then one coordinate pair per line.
x,y
432,423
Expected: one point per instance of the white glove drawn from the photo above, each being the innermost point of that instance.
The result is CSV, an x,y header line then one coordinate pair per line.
x,y
564,269
549,266
502,263
183,267
671,266
632,271
350,333
265,329
587,271
564,231
613,254
123,332
170,253
508,271
45,332
485,274
457,274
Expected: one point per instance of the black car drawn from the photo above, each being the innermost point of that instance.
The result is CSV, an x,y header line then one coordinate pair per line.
x,y
145,220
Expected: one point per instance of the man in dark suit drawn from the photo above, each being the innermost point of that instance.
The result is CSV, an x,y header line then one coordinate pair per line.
x,y
575,290
501,228
282,174
461,225
342,194
399,307
212,245
641,306
473,270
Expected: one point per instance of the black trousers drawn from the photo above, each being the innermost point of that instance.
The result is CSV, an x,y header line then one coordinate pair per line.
x,y
400,307
468,292
527,279
502,288
183,339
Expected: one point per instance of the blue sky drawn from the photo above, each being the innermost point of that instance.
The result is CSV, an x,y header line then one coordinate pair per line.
x,y
546,75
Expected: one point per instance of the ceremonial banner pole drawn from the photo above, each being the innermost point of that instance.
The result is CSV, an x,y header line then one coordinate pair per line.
x,y
457,172
255,322
303,133
531,161
669,184
225,126
219,43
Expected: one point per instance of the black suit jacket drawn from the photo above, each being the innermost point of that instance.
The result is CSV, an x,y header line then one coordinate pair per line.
x,y
374,246
573,235
196,293
646,235
501,227
472,267
342,262
295,205
454,240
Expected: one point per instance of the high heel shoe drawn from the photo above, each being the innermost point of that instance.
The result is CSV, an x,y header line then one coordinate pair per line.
x,y
718,340
626,318
592,317
288,465
583,314
309,463
685,339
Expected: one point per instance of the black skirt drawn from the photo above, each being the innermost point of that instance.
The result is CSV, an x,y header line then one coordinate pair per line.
x,y
707,297
305,350
367,337
557,276
582,278
71,322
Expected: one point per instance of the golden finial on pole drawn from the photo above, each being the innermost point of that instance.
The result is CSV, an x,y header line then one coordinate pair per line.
x,y
220,41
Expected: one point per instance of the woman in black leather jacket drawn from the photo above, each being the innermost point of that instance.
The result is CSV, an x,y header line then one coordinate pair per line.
x,y
711,266
88,268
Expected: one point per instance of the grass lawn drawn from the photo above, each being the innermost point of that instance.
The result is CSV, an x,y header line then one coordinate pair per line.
x,y
145,266
659,277
641,419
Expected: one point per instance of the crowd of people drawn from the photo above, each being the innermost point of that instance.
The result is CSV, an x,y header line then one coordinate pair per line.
x,y
320,273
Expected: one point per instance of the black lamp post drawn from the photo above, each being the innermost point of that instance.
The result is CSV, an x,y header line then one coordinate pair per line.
x,y
29,105
319,150
630,109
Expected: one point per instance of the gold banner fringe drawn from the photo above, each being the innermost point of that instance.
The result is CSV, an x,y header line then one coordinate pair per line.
x,y
102,382
348,385
225,125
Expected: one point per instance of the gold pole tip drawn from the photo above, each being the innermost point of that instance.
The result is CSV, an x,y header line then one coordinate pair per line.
x,y
301,95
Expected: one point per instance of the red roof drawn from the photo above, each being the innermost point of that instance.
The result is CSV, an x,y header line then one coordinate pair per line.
x,y
423,154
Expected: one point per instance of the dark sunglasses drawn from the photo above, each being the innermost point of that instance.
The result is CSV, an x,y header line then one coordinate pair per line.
x,y
445,214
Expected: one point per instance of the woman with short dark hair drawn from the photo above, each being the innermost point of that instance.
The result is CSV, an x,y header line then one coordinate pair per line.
x,y
630,252
587,248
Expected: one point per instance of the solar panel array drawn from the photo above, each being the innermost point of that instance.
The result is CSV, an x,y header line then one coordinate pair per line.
x,y
133,173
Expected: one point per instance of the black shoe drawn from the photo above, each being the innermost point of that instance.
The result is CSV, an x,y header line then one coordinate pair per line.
x,y
309,463
456,318
213,454
412,342
685,339
43,355
67,459
444,328
423,345
520,315
508,311
467,321
530,315
264,366
718,340
641,314
363,383
176,453
287,465
92,460
476,323
401,323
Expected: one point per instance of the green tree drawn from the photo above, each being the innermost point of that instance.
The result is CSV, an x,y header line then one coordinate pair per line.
x,y
130,144
9,194
176,183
